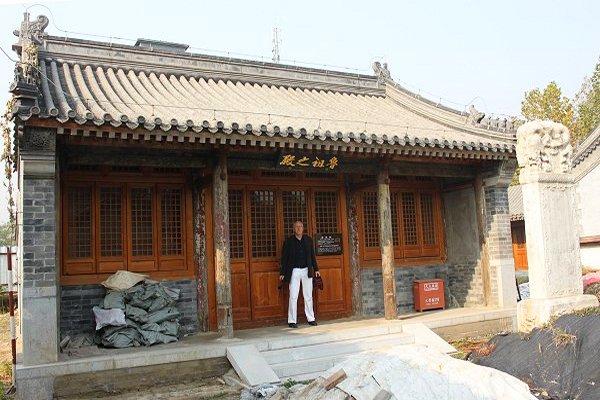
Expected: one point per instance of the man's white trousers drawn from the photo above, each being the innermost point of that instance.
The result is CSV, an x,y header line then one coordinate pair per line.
x,y
300,275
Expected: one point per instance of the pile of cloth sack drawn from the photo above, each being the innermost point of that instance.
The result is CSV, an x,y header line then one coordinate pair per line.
x,y
136,311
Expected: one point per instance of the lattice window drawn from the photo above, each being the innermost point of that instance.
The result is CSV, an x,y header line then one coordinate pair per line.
x,y
171,222
409,218
279,174
263,227
236,233
141,222
111,221
427,219
394,208
79,222
371,219
326,217
124,168
320,175
294,209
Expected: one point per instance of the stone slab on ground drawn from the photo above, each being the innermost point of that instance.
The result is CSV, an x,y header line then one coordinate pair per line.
x,y
427,337
251,365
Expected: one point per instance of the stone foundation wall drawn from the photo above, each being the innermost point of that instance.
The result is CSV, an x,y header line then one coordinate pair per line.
x,y
77,301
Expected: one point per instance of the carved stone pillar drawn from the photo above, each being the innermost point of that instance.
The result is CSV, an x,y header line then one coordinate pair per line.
x,y
386,244
544,154
221,245
38,246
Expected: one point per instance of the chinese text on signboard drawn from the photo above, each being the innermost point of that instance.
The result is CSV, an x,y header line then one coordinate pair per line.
x,y
297,160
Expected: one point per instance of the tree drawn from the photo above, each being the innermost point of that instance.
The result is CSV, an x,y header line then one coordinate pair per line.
x,y
7,237
550,104
587,103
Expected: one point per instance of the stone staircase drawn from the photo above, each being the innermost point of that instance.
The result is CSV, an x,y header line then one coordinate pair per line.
x,y
305,353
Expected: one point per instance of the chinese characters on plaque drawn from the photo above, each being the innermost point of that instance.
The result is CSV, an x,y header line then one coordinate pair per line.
x,y
309,161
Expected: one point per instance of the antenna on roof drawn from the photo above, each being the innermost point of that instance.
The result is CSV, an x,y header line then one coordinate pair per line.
x,y
276,43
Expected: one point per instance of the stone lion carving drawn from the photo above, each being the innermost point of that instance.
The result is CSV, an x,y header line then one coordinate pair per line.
x,y
544,145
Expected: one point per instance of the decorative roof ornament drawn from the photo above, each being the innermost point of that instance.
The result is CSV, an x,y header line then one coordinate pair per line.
x,y
382,72
544,146
27,76
32,30
475,116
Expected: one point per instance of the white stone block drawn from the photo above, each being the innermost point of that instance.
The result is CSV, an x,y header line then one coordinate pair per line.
x,y
532,313
251,365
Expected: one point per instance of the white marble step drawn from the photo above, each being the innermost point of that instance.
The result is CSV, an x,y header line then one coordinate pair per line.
x,y
336,347
308,361
324,334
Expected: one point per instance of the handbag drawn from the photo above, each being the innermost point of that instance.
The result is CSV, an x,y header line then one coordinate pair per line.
x,y
317,282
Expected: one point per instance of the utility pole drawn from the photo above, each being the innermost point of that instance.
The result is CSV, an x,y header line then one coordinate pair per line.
x,y
276,43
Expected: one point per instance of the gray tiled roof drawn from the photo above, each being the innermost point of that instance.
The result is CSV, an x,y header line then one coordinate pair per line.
x,y
134,88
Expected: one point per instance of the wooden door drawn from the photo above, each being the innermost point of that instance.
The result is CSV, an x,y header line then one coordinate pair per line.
x,y
519,244
260,218
326,219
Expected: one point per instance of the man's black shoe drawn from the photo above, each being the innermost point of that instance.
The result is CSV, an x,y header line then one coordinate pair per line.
x,y
293,325
313,323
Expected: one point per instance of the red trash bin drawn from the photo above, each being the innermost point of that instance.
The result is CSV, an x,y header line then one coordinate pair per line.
x,y
429,294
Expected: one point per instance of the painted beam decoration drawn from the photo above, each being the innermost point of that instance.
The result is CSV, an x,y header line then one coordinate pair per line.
x,y
298,160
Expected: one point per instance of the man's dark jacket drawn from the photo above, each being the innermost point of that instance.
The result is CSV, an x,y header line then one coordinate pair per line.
x,y
289,255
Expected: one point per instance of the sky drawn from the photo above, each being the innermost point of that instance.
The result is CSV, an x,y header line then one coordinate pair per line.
x,y
462,52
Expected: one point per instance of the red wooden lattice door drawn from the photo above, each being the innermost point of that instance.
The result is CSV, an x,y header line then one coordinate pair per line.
x,y
260,218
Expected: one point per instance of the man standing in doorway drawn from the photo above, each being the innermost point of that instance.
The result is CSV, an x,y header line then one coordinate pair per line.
x,y
298,262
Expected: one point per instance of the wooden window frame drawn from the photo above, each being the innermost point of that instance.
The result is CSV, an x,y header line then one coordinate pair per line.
x,y
414,255
98,267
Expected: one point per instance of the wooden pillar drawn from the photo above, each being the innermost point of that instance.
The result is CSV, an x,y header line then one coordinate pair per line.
x,y
386,243
200,251
354,256
483,245
221,246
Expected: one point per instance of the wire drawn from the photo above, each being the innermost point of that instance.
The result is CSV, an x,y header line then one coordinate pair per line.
x,y
442,100
214,110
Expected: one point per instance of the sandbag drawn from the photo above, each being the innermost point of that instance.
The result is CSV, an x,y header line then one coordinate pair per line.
x,y
113,299
120,338
122,280
113,317
151,337
136,314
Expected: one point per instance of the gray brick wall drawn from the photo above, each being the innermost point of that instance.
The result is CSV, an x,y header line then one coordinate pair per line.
x,y
462,283
76,302
39,233
372,286
497,231
465,283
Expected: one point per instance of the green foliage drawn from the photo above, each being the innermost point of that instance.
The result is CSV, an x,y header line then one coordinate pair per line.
x,y
549,104
7,237
8,157
581,115
588,108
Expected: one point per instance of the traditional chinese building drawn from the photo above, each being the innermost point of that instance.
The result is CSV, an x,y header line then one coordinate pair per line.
x,y
192,169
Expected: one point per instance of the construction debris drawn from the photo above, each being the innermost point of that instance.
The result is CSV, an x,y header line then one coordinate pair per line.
x,y
139,312
410,372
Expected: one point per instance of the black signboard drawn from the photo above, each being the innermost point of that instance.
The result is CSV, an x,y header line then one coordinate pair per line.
x,y
328,244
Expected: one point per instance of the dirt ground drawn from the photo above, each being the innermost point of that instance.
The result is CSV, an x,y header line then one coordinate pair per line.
x,y
5,355
210,388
